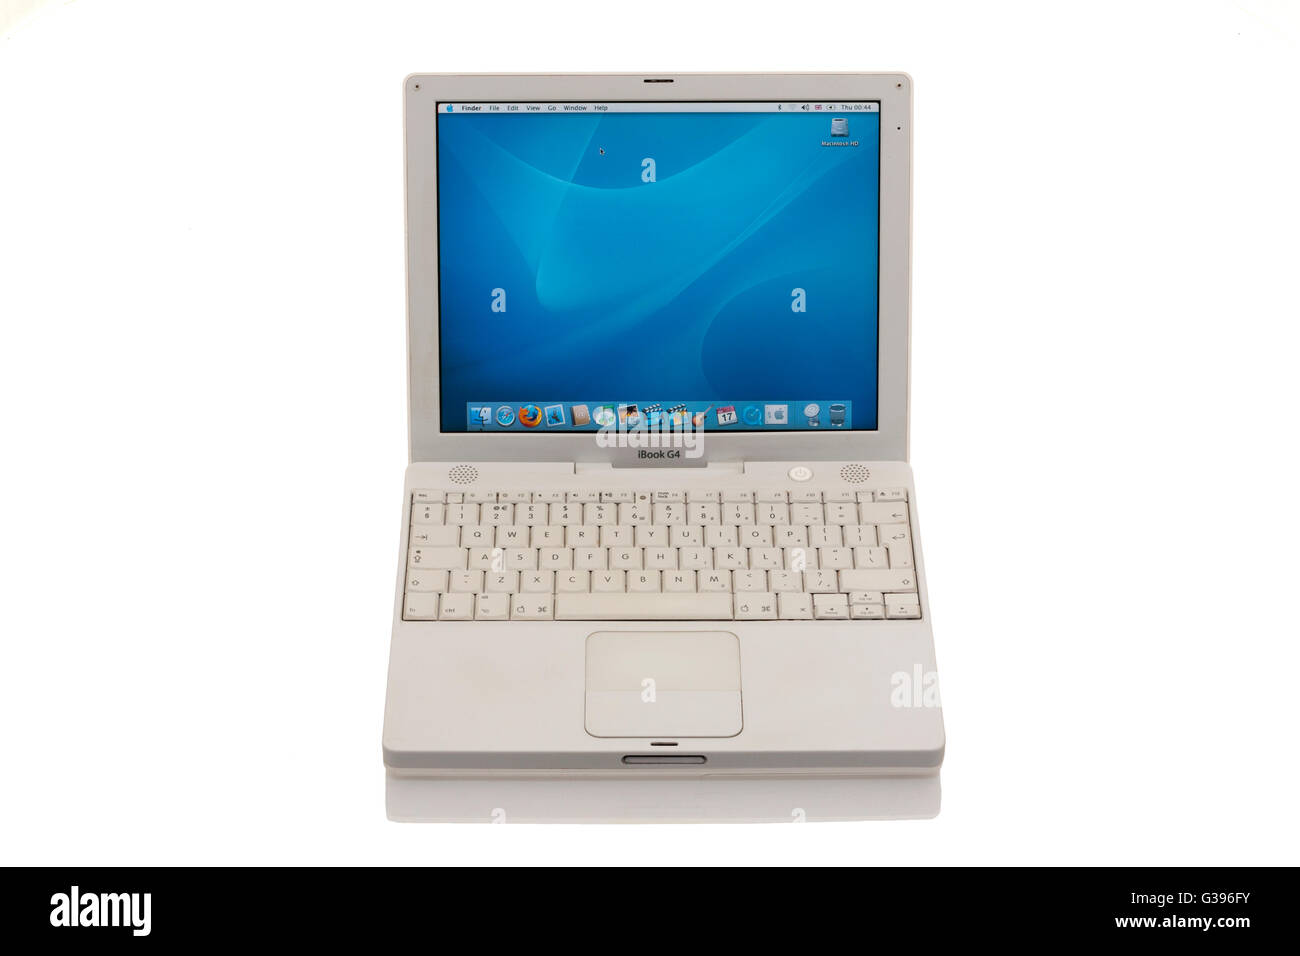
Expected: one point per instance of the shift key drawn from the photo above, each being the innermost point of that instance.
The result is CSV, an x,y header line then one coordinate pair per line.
x,y
869,579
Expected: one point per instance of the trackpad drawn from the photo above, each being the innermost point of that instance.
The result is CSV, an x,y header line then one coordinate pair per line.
x,y
663,684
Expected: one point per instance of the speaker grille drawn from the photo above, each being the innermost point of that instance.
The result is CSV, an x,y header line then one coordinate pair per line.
x,y
854,474
463,475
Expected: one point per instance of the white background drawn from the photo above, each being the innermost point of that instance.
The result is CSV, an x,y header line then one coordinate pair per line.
x,y
201,396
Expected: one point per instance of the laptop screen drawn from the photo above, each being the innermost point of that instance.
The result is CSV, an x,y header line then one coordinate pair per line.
x,y
650,264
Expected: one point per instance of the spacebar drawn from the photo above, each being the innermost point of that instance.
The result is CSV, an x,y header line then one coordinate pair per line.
x,y
665,606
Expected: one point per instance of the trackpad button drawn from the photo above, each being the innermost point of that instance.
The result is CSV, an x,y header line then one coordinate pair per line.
x,y
663,684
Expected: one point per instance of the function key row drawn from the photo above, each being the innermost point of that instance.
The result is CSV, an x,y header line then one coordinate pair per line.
x,y
762,496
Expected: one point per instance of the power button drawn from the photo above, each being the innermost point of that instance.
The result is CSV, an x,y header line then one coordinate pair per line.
x,y
800,473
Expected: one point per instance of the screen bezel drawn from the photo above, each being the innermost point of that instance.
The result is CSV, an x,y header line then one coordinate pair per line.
x,y
423,92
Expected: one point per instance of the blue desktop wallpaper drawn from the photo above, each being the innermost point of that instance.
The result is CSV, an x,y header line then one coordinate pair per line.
x,y
616,288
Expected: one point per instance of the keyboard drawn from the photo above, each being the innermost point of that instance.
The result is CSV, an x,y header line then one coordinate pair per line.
x,y
766,555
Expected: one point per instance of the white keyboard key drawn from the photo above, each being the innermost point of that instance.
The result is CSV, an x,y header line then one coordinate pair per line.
x,y
882,580
420,607
830,607
770,494
749,581
714,580
721,536
456,607
567,513
583,496
824,536
573,582
686,535
609,581
668,496
617,535
491,607
898,542
485,559
902,606
428,513
859,535
834,558
548,496
426,580
599,513
736,494
649,535
784,581
513,536
693,496
532,515
765,558
627,558
643,582
462,514
842,513
435,535
426,495
635,512
497,514
669,513
695,559
790,536
590,559
450,558
583,536
480,496
738,513
517,496
478,536
804,496
555,559
820,582
800,558
867,612
643,607
455,497
755,606
616,496
501,582
471,581
533,607
679,580
794,607
884,512
730,558
754,536
866,597
661,558
704,514
521,559
891,494
548,535
537,582
870,557
774,514
806,514
840,494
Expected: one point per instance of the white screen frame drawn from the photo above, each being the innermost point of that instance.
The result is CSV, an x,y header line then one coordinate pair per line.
x,y
422,93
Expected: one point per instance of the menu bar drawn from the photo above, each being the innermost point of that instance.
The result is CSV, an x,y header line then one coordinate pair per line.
x,y
659,107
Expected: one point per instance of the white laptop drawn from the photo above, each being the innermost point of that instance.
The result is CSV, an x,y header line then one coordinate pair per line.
x,y
658,517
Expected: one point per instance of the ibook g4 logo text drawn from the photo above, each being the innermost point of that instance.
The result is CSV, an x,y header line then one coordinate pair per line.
x,y
102,909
